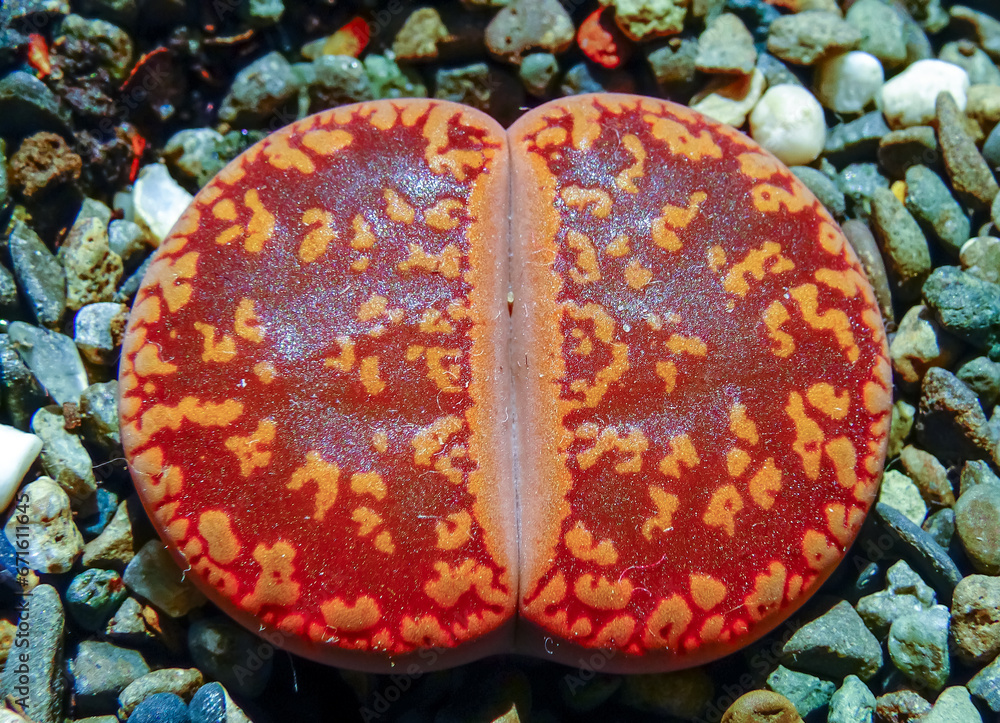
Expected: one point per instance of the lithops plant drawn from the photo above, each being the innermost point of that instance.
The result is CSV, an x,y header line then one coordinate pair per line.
x,y
667,446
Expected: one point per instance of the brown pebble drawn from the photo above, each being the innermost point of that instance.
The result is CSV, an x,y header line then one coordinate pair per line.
x,y
975,618
42,162
929,475
761,706
970,175
901,706
865,246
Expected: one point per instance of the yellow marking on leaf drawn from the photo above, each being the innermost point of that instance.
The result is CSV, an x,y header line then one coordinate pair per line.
x,y
147,361
626,179
682,452
207,414
432,321
171,274
318,239
692,345
741,425
666,505
712,628
397,208
373,384
225,210
373,308
841,452
681,140
261,226
819,552
633,444
454,531
425,631
833,320
716,258
275,585
445,376
447,262
753,264
282,156
587,270
825,398
147,311
456,161
601,593
216,527
380,442
722,509
616,633
619,246
604,326
229,235
248,323
831,239
774,316
586,346
265,371
430,440
367,518
440,215
249,450
585,128
667,371
636,275
160,481
551,136
675,218
369,483
759,166
363,237
847,281
706,591
222,350
325,142
344,361
765,484
842,522
596,200
360,264
737,460
667,623
770,199
808,435
768,592
581,544
344,618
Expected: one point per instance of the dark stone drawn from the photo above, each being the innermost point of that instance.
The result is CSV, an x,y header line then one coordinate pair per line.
x,y
39,274
951,424
22,392
45,651
28,106
985,685
43,163
966,306
855,139
823,188
835,645
161,708
917,145
931,203
920,550
970,175
223,650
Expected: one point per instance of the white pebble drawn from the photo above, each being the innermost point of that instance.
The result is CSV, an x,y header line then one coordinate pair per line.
x,y
909,98
19,452
848,82
788,121
729,100
158,201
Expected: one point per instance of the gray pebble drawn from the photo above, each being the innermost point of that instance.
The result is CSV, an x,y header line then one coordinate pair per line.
x,y
154,575
823,188
941,527
338,80
916,145
966,306
929,475
55,541
28,106
115,546
920,344
901,705
970,175
673,64
127,239
807,37
905,592
264,13
387,80
538,73
470,84
834,645
976,63
183,682
977,522
903,416
726,46
859,181
951,424
902,242
39,275
991,148
982,376
852,703
101,671
136,624
976,472
775,72
929,13
19,389
527,25
985,685
195,154
212,704
8,289
863,242
161,708
99,411
980,256
806,692
44,650
52,358
95,513
954,705
898,491
882,31
931,203
63,455
920,550
93,596
259,91
131,285
918,646
236,658
98,330
856,139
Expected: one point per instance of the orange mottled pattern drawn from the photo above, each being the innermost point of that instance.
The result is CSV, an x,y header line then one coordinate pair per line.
x,y
302,396
708,373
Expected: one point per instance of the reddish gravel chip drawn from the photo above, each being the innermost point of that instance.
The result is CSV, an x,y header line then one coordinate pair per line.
x,y
320,382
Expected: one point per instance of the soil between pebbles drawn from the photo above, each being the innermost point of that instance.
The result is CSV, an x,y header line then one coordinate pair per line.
x,y
113,111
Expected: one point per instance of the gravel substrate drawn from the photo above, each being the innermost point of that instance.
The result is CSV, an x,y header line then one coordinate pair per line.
x,y
114,112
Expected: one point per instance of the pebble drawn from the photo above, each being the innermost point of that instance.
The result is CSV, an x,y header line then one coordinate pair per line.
x,y
921,551
902,706
63,456
806,692
974,61
847,83
898,491
27,105
420,35
931,203
834,645
673,64
527,25
161,708
387,80
182,682
898,150
538,73
941,527
882,31
903,416
903,243
338,80
905,592
98,330
264,13
761,706
980,257
951,423
101,671
469,84
855,140
8,287
115,546
93,596
39,275
982,376
127,290
909,98
20,451
929,476
259,91
970,175
859,181
20,390
991,148
729,99
642,19
726,46
975,618
236,658
52,358
788,121
976,472
918,646
775,72
158,201
954,705
966,306
852,703
96,42
985,685
824,188
55,541
43,163
810,36
212,704
863,242
154,575
99,412
127,239
977,522
136,624
194,153
95,513
920,344
45,653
